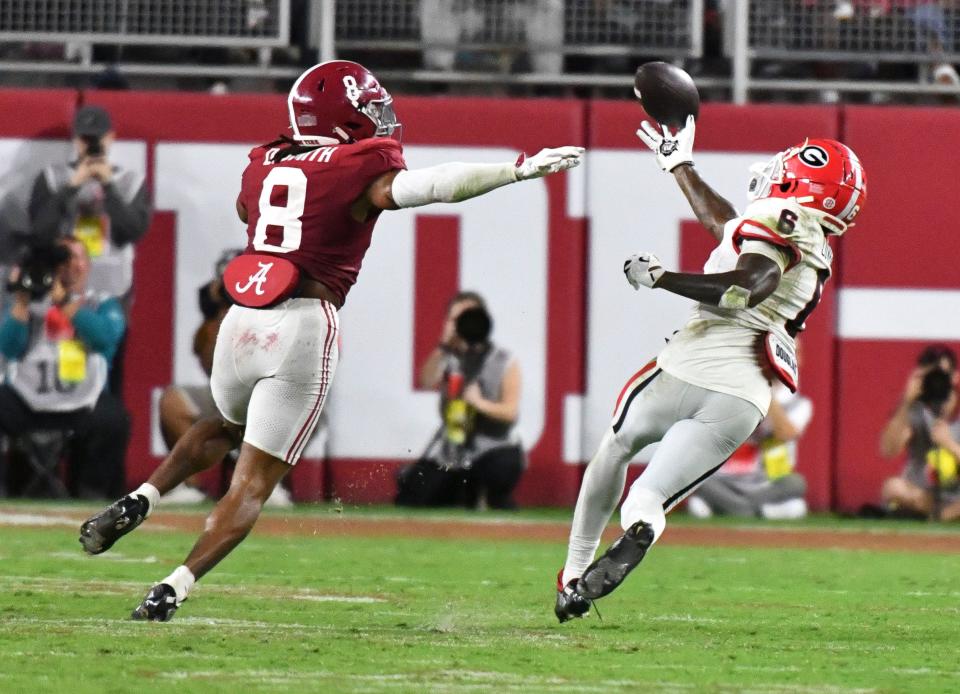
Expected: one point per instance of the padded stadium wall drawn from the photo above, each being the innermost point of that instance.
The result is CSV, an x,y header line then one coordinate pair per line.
x,y
547,255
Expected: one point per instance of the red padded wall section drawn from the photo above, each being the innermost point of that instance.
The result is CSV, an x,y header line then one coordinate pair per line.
x,y
149,355
37,113
436,278
903,238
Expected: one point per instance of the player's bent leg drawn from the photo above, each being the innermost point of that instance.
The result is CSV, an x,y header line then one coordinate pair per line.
x,y
641,416
177,415
600,491
610,569
691,451
204,445
254,478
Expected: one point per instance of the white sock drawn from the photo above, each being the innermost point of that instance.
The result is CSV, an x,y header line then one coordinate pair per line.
x,y
150,493
646,505
181,580
580,552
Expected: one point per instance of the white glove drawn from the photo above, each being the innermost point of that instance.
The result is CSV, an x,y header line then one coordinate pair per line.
x,y
644,269
671,150
548,161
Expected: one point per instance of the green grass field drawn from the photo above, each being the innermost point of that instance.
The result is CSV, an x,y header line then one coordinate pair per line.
x,y
414,614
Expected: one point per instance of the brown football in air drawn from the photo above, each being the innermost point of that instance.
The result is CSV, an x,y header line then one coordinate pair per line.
x,y
667,93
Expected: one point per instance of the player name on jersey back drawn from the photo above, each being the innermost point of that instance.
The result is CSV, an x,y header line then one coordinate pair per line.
x,y
320,155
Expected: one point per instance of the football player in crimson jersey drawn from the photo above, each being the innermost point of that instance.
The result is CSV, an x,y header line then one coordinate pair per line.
x,y
709,387
310,202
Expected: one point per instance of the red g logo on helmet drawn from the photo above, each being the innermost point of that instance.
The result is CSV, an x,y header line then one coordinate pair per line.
x,y
339,102
823,175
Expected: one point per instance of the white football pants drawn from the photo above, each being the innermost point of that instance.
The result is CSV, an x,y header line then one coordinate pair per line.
x,y
698,430
272,369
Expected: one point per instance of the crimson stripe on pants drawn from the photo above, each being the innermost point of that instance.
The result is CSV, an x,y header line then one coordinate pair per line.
x,y
327,344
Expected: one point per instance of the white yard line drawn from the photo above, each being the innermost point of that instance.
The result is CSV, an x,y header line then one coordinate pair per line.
x,y
108,556
52,584
363,599
481,680
36,520
40,520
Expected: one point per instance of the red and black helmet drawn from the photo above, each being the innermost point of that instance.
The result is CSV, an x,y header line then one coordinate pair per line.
x,y
823,175
339,102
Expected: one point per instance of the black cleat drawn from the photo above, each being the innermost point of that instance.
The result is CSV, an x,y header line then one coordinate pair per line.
x,y
98,533
569,603
158,606
608,572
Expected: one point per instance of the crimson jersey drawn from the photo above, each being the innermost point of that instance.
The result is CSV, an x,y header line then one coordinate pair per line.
x,y
299,207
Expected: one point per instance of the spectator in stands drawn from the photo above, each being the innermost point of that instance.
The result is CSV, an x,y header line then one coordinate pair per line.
x,y
924,425
99,203
475,459
181,406
542,22
60,338
445,23
95,201
930,23
760,478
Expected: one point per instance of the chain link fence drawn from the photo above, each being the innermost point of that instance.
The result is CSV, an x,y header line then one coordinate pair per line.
x,y
157,22
878,30
811,46
446,31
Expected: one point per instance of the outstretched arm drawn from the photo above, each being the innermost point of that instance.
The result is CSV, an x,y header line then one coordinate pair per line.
x,y
755,278
455,182
712,209
675,154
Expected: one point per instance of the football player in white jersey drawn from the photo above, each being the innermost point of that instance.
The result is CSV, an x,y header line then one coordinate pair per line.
x,y
709,387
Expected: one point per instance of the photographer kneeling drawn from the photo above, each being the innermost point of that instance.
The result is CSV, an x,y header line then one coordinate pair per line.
x,y
924,425
59,339
475,457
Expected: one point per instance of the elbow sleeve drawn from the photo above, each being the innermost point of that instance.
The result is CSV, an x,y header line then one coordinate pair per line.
x,y
449,183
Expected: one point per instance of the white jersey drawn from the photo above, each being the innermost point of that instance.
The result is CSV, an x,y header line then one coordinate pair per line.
x,y
723,349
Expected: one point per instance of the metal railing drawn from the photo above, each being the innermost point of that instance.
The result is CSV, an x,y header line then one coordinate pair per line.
x,y
851,39
887,31
478,34
254,23
531,43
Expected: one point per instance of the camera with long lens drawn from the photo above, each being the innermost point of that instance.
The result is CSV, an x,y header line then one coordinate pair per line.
x,y
935,389
473,326
38,270
94,145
